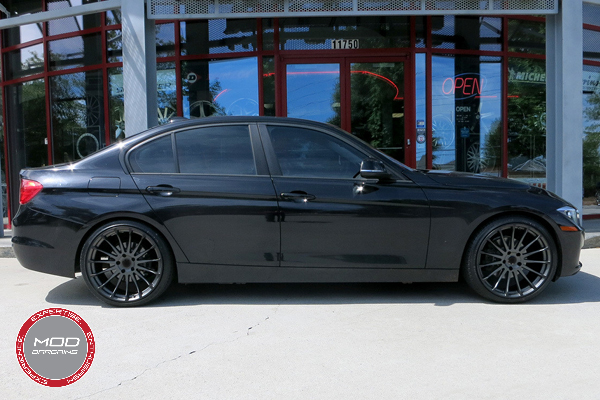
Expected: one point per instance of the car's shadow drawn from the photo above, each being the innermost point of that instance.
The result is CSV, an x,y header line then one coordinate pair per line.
x,y
582,288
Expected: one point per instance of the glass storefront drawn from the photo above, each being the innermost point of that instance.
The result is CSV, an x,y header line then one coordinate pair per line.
x,y
459,93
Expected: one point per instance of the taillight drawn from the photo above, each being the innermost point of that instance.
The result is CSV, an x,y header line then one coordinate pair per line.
x,y
29,189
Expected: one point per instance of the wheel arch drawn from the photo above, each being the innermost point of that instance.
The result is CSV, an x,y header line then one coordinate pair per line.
x,y
516,213
176,252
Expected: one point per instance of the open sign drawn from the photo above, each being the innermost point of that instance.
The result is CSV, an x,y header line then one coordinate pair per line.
x,y
464,86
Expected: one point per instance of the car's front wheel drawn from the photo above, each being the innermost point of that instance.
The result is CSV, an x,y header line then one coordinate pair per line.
x,y
125,263
510,260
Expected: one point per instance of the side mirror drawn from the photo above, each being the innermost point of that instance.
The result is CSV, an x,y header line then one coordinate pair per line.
x,y
373,169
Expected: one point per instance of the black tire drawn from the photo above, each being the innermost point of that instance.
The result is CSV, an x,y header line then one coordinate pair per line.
x,y
126,264
510,260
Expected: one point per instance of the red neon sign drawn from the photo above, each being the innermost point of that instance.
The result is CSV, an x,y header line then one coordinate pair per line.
x,y
463,86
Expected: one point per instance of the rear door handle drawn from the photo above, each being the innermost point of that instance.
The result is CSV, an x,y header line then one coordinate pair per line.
x,y
163,190
298,196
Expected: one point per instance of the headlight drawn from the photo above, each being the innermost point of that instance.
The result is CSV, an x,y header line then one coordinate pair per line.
x,y
572,214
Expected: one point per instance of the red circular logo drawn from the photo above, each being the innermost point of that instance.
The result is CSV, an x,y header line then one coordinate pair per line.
x,y
55,347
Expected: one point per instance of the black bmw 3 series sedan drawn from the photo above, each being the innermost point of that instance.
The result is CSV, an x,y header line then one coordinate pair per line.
x,y
259,199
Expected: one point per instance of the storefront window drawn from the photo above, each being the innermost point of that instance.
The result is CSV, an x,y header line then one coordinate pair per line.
x,y
268,79
165,40
591,45
421,108
527,120
166,83
220,87
466,113
116,104
113,17
313,92
591,132
218,36
77,115
114,46
24,62
26,128
71,24
26,33
466,33
73,52
344,33
525,36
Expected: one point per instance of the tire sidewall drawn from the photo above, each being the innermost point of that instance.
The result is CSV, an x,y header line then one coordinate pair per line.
x,y
165,251
470,264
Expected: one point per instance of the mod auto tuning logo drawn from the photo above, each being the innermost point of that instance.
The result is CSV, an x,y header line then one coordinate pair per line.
x,y
55,347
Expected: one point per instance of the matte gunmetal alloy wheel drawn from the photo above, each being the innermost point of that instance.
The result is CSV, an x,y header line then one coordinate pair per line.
x,y
510,260
125,263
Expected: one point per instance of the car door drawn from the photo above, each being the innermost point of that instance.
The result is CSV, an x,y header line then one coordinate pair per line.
x,y
332,219
210,187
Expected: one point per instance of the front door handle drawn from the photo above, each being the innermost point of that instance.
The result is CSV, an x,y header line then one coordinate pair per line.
x,y
163,190
298,196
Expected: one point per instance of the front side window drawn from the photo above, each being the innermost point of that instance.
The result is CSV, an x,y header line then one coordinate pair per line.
x,y
307,153
155,157
220,150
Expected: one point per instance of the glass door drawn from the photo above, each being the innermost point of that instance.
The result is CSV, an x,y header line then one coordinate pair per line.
x,y
377,113
364,96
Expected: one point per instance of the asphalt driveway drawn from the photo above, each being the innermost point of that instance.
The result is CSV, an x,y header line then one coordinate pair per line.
x,y
301,341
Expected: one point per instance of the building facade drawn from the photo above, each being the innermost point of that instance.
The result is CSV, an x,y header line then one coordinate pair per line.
x,y
502,88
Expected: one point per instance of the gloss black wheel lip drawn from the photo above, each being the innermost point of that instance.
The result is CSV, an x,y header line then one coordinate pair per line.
x,y
138,265
530,275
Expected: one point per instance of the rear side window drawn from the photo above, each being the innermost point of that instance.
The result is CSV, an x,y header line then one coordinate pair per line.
x,y
154,157
222,150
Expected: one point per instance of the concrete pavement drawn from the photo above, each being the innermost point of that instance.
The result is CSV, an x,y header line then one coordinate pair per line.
x,y
350,341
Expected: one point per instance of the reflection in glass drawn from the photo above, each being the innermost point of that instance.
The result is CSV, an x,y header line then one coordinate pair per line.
x,y
113,17
116,104
77,106
166,91
71,24
318,33
26,129
24,62
78,51
220,87
525,36
269,86
466,113
377,103
591,132
466,32
313,92
165,40
421,107
114,46
26,33
591,45
527,120
218,36
22,34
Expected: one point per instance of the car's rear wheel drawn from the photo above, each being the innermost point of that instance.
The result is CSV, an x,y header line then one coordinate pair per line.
x,y
125,263
510,260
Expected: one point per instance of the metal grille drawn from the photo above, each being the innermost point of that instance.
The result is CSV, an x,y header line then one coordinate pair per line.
x,y
462,5
250,6
300,6
526,5
210,9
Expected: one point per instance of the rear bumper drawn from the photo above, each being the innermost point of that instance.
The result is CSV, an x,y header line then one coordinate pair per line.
x,y
49,245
